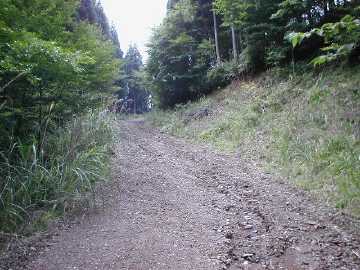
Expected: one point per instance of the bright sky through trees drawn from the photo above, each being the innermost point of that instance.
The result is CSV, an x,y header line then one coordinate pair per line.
x,y
134,20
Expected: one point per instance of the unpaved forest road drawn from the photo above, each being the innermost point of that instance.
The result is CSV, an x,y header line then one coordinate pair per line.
x,y
174,205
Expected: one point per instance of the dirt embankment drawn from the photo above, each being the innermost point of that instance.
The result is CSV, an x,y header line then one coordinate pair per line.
x,y
173,205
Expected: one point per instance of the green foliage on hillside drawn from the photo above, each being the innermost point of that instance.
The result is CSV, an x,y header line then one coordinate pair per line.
x,y
306,124
56,62
305,128
51,66
340,37
179,57
183,64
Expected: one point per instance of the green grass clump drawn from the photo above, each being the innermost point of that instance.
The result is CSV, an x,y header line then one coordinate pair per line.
x,y
306,127
39,182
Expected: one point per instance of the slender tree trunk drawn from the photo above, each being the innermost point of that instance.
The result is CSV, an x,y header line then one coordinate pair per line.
x,y
257,4
240,42
218,58
235,54
40,122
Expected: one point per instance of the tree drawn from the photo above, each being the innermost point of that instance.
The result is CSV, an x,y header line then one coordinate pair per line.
x,y
133,60
51,62
251,19
218,57
185,51
180,55
171,4
115,40
86,11
133,89
92,12
102,20
234,13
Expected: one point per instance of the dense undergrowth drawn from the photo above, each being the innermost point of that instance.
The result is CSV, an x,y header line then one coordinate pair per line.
x,y
36,186
58,61
307,127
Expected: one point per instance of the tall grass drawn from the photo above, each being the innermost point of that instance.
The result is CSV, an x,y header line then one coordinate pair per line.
x,y
69,163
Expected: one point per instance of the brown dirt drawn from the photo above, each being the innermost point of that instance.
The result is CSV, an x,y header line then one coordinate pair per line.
x,y
173,205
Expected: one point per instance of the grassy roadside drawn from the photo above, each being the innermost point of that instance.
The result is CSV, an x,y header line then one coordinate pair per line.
x,y
307,128
37,186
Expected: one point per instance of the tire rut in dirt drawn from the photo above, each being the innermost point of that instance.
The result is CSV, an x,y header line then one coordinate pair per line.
x,y
271,225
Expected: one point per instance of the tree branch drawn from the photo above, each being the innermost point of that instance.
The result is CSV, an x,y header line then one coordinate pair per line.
x,y
13,80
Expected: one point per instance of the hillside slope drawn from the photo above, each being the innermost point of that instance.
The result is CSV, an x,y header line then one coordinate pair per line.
x,y
305,128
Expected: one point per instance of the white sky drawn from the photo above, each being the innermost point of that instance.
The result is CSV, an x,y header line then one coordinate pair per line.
x,y
134,20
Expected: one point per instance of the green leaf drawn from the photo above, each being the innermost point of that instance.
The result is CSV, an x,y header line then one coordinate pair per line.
x,y
295,38
320,60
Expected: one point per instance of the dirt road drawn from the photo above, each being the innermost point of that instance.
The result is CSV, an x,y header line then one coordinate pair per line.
x,y
173,205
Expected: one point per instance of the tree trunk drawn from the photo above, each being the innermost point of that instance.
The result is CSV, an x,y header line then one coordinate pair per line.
x,y
240,42
218,58
234,42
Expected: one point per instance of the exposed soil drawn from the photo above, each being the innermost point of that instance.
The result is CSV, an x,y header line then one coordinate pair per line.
x,y
174,205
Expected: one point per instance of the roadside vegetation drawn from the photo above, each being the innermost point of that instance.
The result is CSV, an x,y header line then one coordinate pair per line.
x,y
39,186
59,65
293,97
305,128
202,45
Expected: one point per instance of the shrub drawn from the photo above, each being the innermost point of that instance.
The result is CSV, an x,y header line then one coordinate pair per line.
x,y
275,56
341,39
69,164
221,75
218,76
